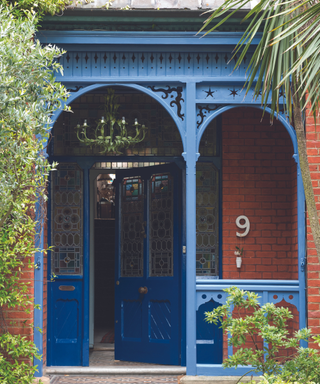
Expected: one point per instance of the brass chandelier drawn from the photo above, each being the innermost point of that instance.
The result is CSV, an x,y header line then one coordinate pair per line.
x,y
111,134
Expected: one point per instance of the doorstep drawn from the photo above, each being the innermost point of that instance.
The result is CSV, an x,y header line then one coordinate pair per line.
x,y
121,370
214,379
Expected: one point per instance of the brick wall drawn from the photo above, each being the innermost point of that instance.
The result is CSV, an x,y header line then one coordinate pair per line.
x,y
17,320
313,267
259,181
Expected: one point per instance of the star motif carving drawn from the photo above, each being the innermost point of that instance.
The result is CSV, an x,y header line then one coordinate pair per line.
x,y
209,93
234,92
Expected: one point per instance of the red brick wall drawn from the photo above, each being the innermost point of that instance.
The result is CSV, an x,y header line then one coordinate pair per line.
x,y
17,320
313,267
259,181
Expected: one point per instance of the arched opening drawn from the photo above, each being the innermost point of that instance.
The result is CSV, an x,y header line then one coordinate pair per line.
x,y
259,181
150,169
255,175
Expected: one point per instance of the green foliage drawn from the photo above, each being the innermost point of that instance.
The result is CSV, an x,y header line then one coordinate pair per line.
x,y
286,60
28,97
244,320
39,7
12,368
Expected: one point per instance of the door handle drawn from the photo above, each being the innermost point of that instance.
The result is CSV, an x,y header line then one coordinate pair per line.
x,y
143,290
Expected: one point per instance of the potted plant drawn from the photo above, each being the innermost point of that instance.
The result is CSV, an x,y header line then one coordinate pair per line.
x,y
238,252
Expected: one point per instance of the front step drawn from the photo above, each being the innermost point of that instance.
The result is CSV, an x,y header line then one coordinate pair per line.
x,y
101,371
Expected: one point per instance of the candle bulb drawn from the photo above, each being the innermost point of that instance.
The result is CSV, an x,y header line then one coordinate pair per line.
x,y
102,119
85,123
135,121
123,120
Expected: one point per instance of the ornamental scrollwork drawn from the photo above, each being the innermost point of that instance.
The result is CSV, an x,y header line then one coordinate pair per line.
x,y
203,110
177,101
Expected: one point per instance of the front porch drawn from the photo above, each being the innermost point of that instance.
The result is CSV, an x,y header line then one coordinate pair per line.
x,y
193,81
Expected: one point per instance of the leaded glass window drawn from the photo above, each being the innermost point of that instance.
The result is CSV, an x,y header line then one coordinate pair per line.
x,y
208,144
161,226
67,220
162,137
207,220
132,227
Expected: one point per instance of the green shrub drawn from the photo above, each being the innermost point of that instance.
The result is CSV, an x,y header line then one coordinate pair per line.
x,y
28,97
270,324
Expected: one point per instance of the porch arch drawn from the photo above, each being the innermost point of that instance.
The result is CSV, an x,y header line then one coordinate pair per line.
x,y
138,87
280,117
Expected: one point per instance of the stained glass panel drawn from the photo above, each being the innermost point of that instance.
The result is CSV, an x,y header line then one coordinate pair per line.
x,y
162,137
208,143
67,253
132,227
207,220
161,226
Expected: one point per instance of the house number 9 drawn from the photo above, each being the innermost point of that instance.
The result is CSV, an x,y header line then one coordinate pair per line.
x,y
245,225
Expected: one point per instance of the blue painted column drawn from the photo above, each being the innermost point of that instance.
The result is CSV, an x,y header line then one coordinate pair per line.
x,y
301,249
38,289
86,264
191,158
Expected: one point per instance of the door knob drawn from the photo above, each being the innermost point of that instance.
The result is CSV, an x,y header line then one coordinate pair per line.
x,y
143,290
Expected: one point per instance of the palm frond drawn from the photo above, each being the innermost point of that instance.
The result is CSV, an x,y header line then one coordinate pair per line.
x,y
287,58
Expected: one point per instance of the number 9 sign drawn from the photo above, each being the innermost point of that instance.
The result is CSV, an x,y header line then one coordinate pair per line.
x,y
245,226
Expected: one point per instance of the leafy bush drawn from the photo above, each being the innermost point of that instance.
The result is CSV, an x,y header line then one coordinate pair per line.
x,y
243,319
28,97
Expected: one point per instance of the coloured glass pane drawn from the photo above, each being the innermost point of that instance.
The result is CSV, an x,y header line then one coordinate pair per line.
x,y
208,143
67,253
161,226
207,220
132,227
162,137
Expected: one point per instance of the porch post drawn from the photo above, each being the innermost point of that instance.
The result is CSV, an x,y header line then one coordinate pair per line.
x,y
301,250
86,266
191,157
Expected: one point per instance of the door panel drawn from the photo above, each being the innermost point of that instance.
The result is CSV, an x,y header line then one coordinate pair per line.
x,y
66,267
147,321
66,339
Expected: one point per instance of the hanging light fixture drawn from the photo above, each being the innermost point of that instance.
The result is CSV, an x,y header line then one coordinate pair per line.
x,y
111,134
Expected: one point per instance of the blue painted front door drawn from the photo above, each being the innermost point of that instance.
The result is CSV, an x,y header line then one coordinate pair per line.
x,y
66,270
147,313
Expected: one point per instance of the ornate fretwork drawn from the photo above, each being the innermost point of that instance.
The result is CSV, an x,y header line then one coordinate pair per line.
x,y
204,110
110,64
76,88
176,101
234,92
209,92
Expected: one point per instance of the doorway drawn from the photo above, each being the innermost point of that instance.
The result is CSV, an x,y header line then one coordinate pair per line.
x,y
104,260
136,222
84,228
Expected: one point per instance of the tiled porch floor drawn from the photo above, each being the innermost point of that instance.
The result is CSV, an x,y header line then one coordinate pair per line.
x,y
105,358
